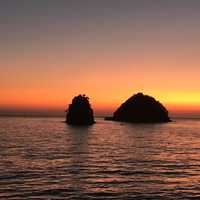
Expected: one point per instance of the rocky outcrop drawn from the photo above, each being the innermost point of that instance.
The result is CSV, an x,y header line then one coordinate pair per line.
x,y
141,108
80,111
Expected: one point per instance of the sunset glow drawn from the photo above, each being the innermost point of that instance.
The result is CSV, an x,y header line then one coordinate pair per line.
x,y
63,49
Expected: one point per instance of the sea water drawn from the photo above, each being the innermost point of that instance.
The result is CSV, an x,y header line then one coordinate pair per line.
x,y
44,158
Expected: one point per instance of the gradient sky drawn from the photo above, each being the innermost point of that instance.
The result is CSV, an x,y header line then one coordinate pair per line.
x,y
108,49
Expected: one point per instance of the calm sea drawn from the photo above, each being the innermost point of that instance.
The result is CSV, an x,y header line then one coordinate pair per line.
x,y
43,158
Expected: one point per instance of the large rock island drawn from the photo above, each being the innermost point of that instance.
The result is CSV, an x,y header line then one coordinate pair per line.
x,y
141,108
80,111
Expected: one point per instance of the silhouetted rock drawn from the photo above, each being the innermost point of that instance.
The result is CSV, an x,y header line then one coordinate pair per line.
x,y
80,111
141,108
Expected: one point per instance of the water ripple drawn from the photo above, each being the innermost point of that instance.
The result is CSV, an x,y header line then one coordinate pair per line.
x,y
43,158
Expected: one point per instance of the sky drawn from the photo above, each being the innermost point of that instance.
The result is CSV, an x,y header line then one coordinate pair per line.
x,y
109,50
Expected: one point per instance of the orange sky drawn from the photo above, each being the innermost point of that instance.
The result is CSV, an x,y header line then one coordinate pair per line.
x,y
53,54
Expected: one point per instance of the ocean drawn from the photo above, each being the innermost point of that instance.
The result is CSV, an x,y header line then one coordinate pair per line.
x,y
44,158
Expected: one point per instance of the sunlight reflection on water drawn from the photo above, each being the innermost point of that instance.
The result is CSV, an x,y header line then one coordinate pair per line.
x,y
46,159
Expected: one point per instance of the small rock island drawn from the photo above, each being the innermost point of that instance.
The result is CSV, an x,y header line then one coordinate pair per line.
x,y
141,108
80,112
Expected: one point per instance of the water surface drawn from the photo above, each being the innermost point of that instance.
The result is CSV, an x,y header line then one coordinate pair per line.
x,y
43,158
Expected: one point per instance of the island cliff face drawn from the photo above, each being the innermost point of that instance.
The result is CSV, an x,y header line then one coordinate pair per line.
x,y
80,111
141,108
